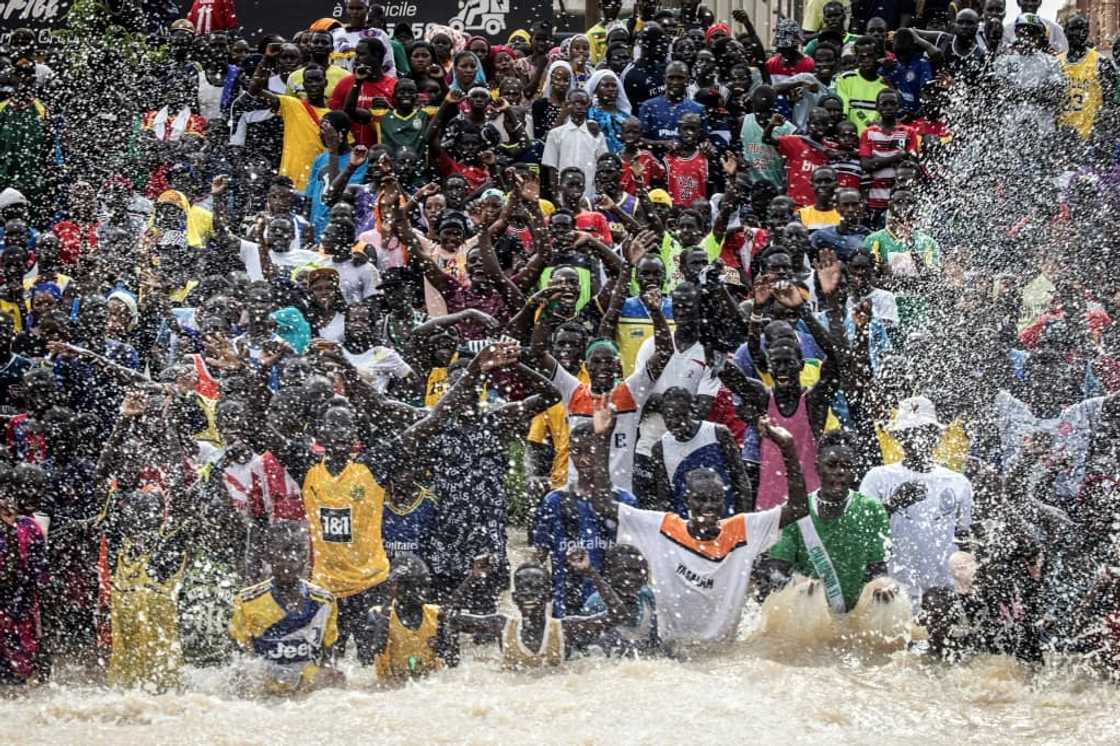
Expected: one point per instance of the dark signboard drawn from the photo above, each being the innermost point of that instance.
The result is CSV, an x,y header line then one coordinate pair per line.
x,y
492,18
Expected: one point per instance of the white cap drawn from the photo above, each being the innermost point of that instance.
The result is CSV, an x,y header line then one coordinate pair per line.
x,y
917,411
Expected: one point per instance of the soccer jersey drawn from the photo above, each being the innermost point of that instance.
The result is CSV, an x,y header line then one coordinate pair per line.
x,y
408,528
687,178
565,522
859,95
803,156
408,652
856,539
395,131
627,398
302,141
635,327
289,641
701,451
815,219
344,516
1084,97
878,142
699,585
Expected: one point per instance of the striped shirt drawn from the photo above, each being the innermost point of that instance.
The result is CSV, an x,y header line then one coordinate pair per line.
x,y
879,143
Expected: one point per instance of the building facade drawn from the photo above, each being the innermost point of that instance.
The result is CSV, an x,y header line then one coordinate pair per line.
x,y
1104,19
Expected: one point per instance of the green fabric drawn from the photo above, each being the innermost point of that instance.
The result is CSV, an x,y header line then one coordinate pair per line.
x,y
812,44
400,58
584,284
398,131
854,540
669,251
25,152
859,94
913,310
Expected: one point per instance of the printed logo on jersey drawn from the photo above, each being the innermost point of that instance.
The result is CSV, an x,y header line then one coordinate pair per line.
x,y
336,525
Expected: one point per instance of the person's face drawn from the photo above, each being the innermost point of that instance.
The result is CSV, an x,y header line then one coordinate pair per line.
x,y
795,239
93,317
686,303
531,590
693,263
705,502
877,29
918,441
560,227
503,65
315,83
16,233
689,230
780,266
233,421
580,50
611,9
887,106
994,10
902,205
847,136
631,133
1030,6
867,59
824,184
320,45
442,44
338,239
42,304
470,145
288,560
1077,32
414,587
705,64
626,571
120,317
465,70
479,99
650,274
258,303
573,186
779,212
561,79
405,95
762,102
617,59
357,11
966,26
676,81
359,321
279,235
582,448
858,271
785,365
289,59
512,90
542,42
475,270
238,51
825,59
567,346
455,192
338,431
420,59
684,51
607,176
603,368
14,263
607,92
833,18
849,206
180,42
836,467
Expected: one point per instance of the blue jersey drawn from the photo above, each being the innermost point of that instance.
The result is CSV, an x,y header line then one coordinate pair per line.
x,y
908,78
565,522
637,636
408,529
660,118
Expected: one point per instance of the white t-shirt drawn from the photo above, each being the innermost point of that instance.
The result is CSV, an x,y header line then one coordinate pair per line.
x,y
289,259
335,329
922,534
627,397
357,282
378,365
700,586
687,369
1072,431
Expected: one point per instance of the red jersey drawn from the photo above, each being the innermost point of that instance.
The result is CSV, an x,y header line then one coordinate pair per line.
x,y
73,238
777,66
595,224
653,170
879,142
371,89
209,16
686,178
803,156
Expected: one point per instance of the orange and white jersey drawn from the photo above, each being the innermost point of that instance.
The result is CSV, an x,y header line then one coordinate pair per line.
x,y
627,398
700,586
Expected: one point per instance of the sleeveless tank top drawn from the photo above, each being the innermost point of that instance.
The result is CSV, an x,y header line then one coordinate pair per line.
x,y
699,452
515,655
772,487
408,652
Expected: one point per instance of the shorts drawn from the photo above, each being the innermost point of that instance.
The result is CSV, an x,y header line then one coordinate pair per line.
x,y
353,619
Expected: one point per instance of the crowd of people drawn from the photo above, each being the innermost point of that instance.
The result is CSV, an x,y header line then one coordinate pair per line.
x,y
300,334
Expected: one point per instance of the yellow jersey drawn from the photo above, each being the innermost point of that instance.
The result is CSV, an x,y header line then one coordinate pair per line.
x,y
815,219
144,623
344,517
951,450
515,656
1084,96
302,141
289,641
551,426
408,652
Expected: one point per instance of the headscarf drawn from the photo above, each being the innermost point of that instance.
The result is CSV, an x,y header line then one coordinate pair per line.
x,y
787,34
520,34
129,300
566,45
292,328
479,73
715,29
622,102
546,94
458,41
325,24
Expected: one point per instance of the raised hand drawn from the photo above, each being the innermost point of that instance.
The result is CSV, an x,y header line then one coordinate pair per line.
x,y
498,355
602,417
778,434
829,271
579,560
358,156
651,299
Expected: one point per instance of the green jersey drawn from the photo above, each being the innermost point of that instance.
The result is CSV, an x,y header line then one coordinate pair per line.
x,y
856,539
859,94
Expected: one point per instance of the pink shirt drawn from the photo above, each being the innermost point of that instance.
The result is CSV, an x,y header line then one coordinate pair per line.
x,y
772,487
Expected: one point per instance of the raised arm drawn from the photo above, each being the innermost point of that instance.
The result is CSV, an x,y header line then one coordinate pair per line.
x,y
753,396
582,630
664,347
505,286
740,481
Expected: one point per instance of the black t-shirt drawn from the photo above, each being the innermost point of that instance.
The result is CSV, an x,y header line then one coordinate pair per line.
x,y
11,374
643,82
